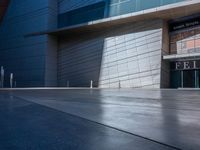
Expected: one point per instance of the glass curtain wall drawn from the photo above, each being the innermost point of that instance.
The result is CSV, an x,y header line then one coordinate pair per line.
x,y
107,8
120,7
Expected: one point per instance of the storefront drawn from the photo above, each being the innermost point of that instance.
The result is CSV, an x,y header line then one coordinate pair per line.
x,y
185,74
184,41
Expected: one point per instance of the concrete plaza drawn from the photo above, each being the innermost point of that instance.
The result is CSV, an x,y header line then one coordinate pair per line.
x,y
99,119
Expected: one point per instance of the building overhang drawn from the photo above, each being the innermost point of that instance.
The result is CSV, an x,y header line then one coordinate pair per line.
x,y
181,56
167,12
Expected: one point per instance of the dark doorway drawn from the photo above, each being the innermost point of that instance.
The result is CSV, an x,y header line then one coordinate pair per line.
x,y
176,80
198,78
189,79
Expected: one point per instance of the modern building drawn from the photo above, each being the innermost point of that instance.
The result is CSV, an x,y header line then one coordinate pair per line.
x,y
114,43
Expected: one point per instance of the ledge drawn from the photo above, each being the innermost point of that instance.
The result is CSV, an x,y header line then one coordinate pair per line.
x,y
181,56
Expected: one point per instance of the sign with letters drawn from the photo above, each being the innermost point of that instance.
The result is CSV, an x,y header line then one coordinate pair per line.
x,y
185,65
185,24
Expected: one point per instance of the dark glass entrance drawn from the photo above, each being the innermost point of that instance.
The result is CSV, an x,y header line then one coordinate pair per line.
x,y
185,79
198,78
189,79
176,79
185,74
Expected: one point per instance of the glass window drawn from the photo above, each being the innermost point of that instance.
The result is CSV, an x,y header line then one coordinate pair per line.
x,y
82,15
120,7
146,5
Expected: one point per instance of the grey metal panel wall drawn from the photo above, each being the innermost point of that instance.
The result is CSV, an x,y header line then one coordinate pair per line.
x,y
25,56
130,54
133,59
79,60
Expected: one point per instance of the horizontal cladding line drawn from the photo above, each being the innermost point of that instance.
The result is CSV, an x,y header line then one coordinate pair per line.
x,y
23,58
90,38
74,62
16,37
78,62
62,67
130,78
79,74
129,58
117,61
86,54
81,53
68,70
29,14
74,46
136,47
24,45
79,46
63,53
23,18
30,69
72,71
142,25
117,77
90,70
85,45
140,54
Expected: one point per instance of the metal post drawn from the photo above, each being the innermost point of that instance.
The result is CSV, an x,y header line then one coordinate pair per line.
x,y
91,84
2,77
119,84
11,80
182,78
195,78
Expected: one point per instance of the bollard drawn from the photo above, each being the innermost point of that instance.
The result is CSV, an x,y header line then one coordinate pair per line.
x,y
2,77
119,84
67,83
91,84
11,80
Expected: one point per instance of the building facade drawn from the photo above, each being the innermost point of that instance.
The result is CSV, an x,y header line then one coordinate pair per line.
x,y
114,43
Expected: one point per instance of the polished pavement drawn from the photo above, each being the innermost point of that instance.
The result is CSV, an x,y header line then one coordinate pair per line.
x,y
99,119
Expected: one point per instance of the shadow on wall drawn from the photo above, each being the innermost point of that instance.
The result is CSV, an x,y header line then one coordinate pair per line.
x,y
79,60
81,56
